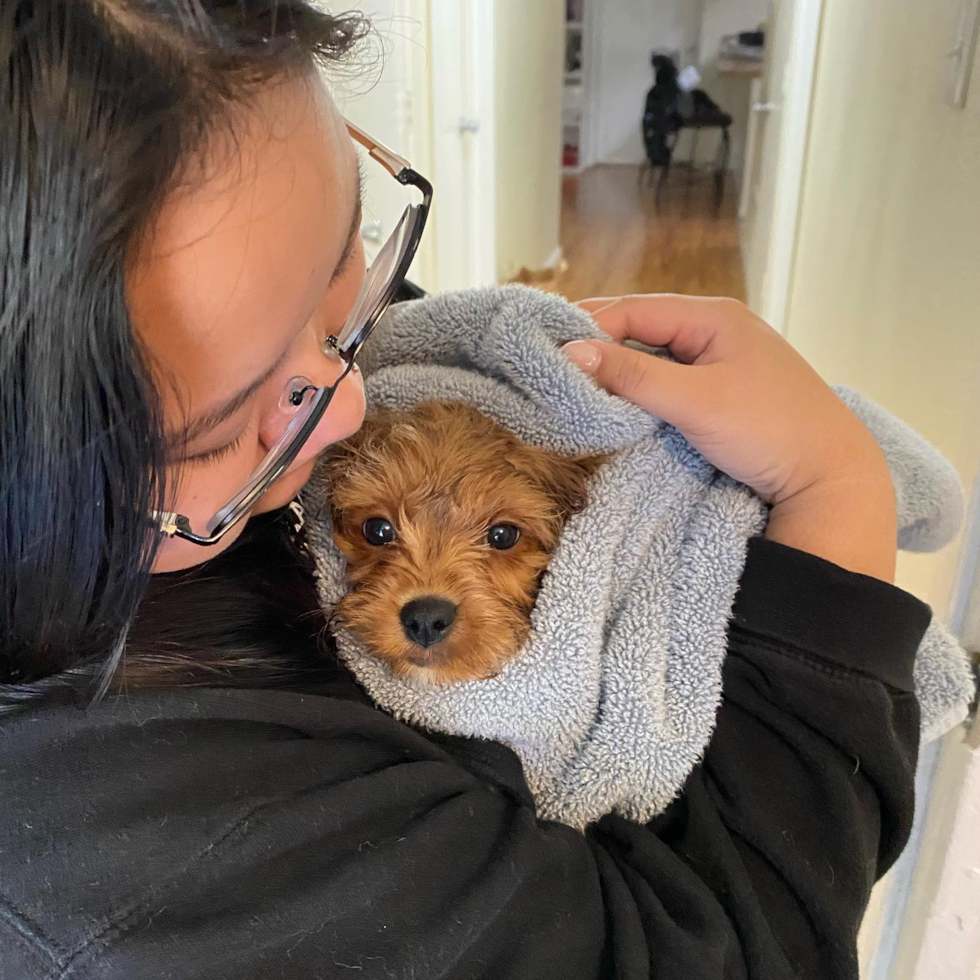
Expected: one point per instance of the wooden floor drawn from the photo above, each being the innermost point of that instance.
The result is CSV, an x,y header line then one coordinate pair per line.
x,y
615,240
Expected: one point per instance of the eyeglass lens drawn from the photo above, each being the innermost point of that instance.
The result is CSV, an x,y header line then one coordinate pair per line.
x,y
376,282
311,400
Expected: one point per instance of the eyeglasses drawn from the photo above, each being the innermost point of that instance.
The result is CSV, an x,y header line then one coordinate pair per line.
x,y
303,401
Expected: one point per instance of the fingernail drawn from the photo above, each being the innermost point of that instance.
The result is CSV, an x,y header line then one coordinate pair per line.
x,y
583,354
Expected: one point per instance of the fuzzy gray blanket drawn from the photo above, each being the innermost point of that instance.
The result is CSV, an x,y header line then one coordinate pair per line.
x,y
613,699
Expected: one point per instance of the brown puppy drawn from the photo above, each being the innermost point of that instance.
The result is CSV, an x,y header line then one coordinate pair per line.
x,y
447,522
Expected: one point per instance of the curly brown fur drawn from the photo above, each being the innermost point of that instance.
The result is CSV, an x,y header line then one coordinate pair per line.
x,y
443,475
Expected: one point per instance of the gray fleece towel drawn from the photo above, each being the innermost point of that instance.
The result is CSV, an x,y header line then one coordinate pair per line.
x,y
613,699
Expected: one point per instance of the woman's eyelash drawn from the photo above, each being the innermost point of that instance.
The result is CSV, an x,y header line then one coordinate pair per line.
x,y
345,262
215,454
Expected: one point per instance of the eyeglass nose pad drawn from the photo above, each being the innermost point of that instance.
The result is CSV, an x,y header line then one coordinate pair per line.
x,y
297,391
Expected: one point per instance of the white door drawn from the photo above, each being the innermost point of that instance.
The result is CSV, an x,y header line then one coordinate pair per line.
x,y
777,135
423,84
462,66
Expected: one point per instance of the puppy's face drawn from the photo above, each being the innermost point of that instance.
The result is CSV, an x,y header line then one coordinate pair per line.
x,y
447,522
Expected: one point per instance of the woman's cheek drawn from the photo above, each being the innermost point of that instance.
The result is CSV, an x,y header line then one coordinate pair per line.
x,y
199,492
342,419
174,554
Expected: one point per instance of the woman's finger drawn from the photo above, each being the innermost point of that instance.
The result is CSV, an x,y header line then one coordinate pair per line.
x,y
669,390
685,324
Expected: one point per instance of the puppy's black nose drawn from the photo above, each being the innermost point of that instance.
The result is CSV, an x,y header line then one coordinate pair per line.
x,y
428,620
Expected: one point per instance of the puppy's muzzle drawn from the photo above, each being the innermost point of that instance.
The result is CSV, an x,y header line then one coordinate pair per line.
x,y
428,620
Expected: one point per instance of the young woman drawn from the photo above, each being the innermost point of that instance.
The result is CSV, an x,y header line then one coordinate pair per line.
x,y
192,787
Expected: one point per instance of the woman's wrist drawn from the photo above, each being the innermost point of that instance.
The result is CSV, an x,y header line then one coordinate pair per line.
x,y
848,518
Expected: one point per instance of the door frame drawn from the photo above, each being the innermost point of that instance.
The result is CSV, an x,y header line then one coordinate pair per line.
x,y
462,67
592,71
773,303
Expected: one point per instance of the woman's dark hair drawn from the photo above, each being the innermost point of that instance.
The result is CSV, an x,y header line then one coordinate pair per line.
x,y
103,106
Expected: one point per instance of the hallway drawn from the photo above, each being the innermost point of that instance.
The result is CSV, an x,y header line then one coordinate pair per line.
x,y
615,242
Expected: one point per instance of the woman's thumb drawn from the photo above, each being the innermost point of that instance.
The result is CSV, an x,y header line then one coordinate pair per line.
x,y
660,386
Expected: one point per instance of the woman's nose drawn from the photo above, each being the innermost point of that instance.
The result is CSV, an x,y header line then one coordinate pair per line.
x,y
342,417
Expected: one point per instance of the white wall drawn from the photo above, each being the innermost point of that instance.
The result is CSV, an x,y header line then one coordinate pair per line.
x,y
624,34
885,289
950,945
886,295
529,57
721,17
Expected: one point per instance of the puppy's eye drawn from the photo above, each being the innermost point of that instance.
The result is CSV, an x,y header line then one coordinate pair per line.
x,y
378,531
503,536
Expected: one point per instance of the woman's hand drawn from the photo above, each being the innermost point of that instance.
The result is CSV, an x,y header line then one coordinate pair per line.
x,y
753,406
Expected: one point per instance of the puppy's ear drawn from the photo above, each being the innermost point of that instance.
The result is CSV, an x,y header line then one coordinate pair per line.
x,y
359,449
334,462
564,478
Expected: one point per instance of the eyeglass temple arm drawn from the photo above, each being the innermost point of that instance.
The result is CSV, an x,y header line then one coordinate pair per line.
x,y
388,159
177,526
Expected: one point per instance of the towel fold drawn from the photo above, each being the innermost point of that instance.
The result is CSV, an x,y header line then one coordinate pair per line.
x,y
612,701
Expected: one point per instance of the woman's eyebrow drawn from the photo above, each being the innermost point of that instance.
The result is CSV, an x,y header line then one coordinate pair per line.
x,y
353,231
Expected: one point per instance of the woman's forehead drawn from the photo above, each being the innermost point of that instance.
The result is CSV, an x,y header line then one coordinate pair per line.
x,y
235,264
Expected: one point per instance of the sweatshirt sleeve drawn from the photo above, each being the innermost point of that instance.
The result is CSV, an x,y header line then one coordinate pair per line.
x,y
247,835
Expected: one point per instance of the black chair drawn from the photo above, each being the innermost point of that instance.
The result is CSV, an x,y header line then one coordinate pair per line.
x,y
669,111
